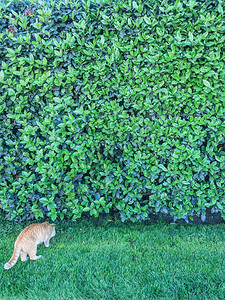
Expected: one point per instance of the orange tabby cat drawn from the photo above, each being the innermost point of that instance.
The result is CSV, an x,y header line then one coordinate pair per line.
x,y
27,241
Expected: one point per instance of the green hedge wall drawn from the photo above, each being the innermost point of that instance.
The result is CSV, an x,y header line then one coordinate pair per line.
x,y
115,106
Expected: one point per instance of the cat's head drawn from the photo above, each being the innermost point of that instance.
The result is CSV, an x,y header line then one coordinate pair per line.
x,y
50,228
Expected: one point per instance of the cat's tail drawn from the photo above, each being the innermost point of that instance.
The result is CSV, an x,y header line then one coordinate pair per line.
x,y
13,259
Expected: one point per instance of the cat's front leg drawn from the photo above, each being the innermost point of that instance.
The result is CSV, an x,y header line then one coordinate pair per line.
x,y
46,243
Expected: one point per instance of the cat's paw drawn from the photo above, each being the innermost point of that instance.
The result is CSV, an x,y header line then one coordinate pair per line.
x,y
24,259
35,257
7,266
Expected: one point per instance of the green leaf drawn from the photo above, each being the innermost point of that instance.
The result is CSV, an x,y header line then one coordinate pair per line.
x,y
1,76
191,37
206,83
220,9
45,61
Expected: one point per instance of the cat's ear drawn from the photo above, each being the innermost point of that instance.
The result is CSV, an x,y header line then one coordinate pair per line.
x,y
52,224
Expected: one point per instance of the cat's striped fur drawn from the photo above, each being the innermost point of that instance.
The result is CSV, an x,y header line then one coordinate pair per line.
x,y
27,241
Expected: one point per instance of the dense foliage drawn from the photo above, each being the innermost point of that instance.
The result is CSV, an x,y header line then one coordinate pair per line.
x,y
115,106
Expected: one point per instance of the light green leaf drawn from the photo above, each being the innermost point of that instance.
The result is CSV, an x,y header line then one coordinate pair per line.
x,y
191,37
1,76
45,61
206,83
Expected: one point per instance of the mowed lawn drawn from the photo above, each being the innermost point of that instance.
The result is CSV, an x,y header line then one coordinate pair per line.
x,y
106,259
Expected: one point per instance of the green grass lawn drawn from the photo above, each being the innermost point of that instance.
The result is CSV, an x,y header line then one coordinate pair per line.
x,y
101,259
